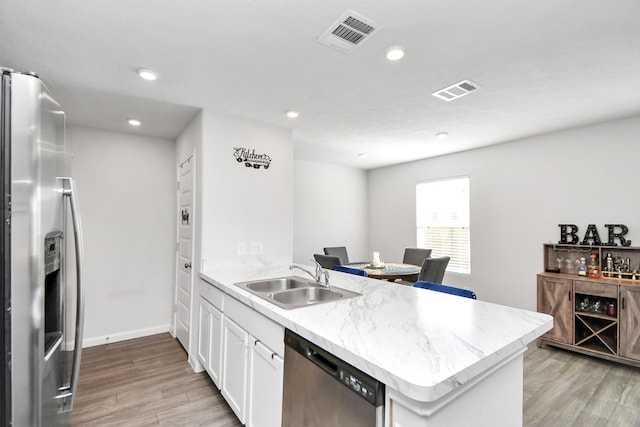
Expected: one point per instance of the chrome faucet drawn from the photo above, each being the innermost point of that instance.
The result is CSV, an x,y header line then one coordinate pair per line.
x,y
319,274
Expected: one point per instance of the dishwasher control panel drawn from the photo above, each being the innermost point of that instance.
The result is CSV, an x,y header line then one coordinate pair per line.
x,y
357,385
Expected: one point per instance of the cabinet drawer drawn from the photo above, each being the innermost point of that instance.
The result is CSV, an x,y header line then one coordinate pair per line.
x,y
211,294
261,327
598,289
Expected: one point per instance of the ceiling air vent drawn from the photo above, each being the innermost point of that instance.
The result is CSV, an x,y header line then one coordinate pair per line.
x,y
456,91
350,31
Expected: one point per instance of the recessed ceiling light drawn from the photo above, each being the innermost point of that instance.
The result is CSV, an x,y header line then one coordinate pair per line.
x,y
134,122
291,114
442,135
147,74
395,53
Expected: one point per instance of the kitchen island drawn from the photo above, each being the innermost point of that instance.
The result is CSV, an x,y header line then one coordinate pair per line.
x,y
445,360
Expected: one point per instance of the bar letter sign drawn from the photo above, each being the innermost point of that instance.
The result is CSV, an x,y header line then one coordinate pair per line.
x,y
569,235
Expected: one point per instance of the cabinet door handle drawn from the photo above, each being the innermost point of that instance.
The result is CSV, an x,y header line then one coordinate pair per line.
x,y
623,303
569,296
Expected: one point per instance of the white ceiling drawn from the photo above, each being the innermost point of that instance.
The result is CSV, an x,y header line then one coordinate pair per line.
x,y
542,66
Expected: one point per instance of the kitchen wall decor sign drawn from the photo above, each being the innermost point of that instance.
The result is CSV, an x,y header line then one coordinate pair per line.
x,y
569,234
250,158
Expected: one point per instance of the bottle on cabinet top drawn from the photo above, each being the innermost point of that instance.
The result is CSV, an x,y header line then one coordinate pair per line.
x,y
593,269
582,268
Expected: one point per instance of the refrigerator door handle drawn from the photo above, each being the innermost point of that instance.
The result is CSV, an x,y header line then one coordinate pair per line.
x,y
69,190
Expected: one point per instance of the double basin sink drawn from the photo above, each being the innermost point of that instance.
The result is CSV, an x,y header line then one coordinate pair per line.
x,y
294,292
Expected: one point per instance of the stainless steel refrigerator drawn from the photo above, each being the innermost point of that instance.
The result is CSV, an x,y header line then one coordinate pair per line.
x,y
41,242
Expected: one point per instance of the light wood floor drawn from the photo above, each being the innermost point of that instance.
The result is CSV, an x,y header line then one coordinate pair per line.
x,y
147,381
563,389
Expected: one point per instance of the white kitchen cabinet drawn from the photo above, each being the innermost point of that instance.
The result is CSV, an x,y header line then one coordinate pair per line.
x,y
242,351
265,386
235,367
210,340
204,332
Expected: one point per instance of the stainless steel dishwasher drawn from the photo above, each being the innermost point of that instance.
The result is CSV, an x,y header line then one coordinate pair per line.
x,y
321,390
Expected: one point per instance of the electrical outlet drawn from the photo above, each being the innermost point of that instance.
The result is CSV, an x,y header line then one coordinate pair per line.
x,y
242,248
256,248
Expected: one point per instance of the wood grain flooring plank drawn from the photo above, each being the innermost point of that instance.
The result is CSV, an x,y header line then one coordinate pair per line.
x,y
146,381
585,391
192,382
124,413
631,395
200,412
538,370
607,397
89,402
201,389
624,416
589,420
539,407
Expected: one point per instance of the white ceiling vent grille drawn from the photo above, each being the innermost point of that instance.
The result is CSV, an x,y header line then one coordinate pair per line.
x,y
350,31
456,91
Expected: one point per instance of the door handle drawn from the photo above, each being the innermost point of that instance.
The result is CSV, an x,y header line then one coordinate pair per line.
x,y
187,265
69,190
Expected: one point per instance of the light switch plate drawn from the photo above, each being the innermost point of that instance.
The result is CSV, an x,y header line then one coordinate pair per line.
x,y
242,248
256,248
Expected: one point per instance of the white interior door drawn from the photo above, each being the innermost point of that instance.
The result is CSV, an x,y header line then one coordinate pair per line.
x,y
184,271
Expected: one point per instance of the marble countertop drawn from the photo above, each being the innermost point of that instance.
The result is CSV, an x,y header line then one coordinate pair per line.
x,y
421,343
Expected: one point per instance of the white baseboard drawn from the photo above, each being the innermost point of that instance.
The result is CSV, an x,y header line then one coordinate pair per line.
x,y
123,336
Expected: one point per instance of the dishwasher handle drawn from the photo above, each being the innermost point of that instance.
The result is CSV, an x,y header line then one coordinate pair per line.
x,y
321,361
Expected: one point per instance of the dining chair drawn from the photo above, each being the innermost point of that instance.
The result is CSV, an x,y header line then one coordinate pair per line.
x,y
350,270
327,261
339,251
467,293
415,256
433,269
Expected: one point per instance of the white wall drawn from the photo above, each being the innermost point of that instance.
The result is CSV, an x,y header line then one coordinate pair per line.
x,y
126,186
330,209
241,204
520,191
189,140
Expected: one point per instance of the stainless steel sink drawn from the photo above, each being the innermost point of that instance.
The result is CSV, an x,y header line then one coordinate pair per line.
x,y
309,296
294,292
281,284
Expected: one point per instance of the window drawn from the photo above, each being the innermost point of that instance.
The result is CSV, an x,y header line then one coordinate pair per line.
x,y
442,221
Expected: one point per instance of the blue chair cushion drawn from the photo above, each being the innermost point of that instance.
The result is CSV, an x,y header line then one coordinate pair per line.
x,y
350,270
446,289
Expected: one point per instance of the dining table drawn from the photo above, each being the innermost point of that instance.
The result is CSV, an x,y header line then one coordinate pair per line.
x,y
389,271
